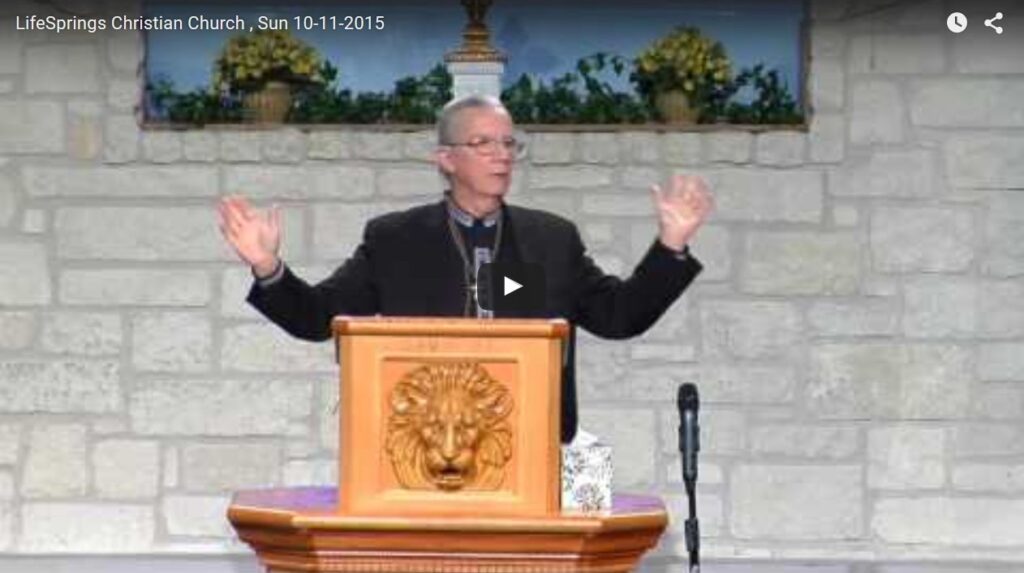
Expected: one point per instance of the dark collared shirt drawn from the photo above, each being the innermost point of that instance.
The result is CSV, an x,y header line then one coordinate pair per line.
x,y
479,236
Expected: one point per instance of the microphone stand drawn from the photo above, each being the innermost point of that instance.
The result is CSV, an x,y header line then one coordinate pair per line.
x,y
692,527
688,404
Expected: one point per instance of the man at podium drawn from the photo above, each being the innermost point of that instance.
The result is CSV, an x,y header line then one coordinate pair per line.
x,y
426,261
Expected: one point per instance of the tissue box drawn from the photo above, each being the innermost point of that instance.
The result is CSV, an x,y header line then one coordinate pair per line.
x,y
587,477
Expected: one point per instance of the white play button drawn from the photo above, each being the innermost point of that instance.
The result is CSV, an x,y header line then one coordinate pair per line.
x,y
512,289
511,286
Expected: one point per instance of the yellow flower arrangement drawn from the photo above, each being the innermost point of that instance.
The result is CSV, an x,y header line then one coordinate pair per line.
x,y
683,60
250,60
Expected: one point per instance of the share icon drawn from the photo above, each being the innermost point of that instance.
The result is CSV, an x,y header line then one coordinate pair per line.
x,y
998,16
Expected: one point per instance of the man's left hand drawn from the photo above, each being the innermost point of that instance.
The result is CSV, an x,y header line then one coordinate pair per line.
x,y
682,209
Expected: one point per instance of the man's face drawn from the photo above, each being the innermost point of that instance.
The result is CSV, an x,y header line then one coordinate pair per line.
x,y
484,169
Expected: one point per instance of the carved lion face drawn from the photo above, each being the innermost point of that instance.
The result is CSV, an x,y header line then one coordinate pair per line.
x,y
448,428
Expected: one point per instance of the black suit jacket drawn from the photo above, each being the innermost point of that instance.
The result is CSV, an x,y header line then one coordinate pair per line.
x,y
407,265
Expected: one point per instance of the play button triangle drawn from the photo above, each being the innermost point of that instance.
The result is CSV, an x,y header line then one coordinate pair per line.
x,y
511,286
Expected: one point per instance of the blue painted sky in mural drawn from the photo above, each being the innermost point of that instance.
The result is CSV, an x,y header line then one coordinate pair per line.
x,y
540,38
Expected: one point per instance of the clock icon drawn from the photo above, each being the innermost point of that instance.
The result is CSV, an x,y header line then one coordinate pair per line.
x,y
956,22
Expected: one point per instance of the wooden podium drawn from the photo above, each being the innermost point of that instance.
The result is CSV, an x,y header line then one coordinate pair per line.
x,y
449,462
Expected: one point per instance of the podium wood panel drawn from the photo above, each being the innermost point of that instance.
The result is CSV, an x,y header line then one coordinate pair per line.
x,y
449,416
296,530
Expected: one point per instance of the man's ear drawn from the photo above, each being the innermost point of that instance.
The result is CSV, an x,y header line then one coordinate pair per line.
x,y
443,158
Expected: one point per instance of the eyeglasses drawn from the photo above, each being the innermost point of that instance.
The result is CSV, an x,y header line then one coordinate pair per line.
x,y
488,147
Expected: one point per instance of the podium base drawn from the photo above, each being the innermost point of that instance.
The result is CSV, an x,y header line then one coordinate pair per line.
x,y
299,530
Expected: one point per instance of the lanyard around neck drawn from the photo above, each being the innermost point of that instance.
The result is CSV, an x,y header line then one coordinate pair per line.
x,y
469,276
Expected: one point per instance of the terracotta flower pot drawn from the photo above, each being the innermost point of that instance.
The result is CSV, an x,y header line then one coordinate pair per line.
x,y
268,105
674,107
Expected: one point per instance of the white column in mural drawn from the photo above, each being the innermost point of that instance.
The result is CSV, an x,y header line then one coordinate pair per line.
x,y
476,66
470,78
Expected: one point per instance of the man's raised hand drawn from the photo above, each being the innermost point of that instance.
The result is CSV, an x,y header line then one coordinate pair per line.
x,y
254,235
682,209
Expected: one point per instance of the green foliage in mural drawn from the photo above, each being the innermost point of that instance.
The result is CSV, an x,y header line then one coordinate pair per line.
x,y
415,99
582,96
198,106
771,104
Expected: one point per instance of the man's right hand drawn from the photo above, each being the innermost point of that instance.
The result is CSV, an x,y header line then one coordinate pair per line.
x,y
255,236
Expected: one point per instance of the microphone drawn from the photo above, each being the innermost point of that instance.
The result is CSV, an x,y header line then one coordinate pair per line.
x,y
689,444
484,287
689,431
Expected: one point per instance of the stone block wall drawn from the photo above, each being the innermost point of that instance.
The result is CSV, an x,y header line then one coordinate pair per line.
x,y
857,336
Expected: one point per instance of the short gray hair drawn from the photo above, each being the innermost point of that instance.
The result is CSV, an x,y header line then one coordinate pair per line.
x,y
447,122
